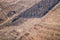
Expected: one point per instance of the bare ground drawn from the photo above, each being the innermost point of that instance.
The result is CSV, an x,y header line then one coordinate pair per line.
x,y
45,28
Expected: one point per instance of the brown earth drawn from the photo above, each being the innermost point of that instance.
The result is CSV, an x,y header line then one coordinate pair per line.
x,y
45,28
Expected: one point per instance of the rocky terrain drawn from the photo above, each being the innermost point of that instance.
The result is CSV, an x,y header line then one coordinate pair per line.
x,y
37,20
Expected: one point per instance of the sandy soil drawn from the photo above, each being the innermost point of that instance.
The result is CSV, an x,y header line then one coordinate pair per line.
x,y
45,28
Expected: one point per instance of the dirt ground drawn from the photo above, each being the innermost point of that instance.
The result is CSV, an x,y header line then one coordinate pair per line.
x,y
35,28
